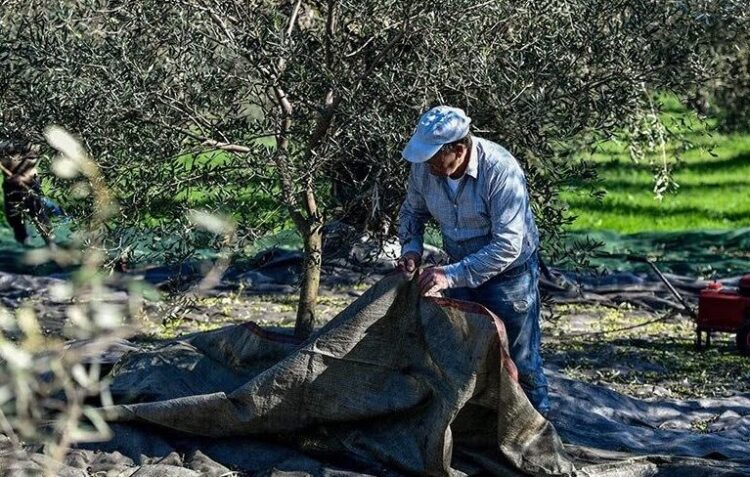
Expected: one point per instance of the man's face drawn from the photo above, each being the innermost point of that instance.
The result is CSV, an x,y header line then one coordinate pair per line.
x,y
446,162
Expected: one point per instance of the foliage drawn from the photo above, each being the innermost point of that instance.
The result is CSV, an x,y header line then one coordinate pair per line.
x,y
727,94
310,102
51,394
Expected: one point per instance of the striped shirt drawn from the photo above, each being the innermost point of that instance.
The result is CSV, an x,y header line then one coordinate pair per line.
x,y
487,225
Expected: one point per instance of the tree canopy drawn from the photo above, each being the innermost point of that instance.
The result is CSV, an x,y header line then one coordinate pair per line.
x,y
296,110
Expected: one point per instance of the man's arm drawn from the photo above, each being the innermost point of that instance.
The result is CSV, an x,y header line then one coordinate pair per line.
x,y
508,200
412,218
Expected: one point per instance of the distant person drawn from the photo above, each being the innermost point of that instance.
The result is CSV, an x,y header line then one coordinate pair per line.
x,y
21,190
476,191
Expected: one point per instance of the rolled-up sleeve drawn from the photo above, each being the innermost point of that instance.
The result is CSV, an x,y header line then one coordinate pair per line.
x,y
413,217
508,201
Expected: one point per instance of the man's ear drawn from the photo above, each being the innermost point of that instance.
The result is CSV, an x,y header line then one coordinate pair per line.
x,y
461,150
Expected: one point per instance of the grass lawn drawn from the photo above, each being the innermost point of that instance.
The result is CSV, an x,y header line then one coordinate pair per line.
x,y
713,190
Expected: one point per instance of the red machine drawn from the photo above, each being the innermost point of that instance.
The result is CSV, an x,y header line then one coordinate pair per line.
x,y
727,310
719,308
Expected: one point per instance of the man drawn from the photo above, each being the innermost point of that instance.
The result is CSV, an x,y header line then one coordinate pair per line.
x,y
21,189
476,191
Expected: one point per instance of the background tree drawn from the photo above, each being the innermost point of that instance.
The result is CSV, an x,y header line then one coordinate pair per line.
x,y
727,94
308,103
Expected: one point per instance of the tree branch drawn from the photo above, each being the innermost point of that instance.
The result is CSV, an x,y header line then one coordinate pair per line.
x,y
330,27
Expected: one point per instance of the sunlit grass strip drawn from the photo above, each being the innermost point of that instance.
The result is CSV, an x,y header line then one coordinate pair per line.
x,y
713,180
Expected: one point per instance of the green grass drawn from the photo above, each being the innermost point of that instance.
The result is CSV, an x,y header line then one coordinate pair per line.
x,y
713,190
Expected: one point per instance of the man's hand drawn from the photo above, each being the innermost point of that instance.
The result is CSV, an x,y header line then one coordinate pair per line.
x,y
408,262
432,280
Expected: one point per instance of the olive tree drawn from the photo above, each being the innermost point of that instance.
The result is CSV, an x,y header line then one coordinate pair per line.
x,y
308,103
729,90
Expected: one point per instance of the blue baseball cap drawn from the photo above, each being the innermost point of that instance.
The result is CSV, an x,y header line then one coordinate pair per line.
x,y
439,126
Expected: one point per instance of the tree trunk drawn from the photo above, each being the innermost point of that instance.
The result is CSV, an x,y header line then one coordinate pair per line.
x,y
308,296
